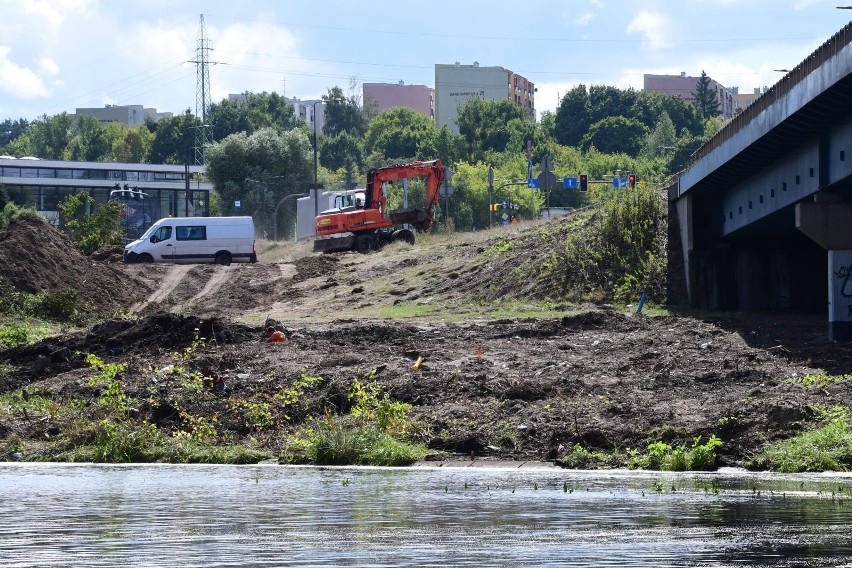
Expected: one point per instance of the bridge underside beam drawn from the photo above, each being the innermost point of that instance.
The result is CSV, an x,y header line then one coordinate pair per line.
x,y
827,224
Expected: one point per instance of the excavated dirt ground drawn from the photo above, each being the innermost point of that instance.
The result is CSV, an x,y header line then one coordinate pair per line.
x,y
509,388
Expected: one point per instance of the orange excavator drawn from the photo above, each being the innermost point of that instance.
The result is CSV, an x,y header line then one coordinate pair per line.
x,y
368,226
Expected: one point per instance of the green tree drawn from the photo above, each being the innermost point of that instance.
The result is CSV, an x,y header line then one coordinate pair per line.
x,y
606,101
448,146
259,170
616,134
684,115
256,111
92,141
484,126
11,129
134,147
573,117
661,140
102,227
401,133
341,150
174,139
49,136
706,98
342,114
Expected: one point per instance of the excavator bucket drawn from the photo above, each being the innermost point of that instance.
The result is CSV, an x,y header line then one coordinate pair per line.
x,y
418,218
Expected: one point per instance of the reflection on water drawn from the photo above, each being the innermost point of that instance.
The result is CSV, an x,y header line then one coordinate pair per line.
x,y
158,515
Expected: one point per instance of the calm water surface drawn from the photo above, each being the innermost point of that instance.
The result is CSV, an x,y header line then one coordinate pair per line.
x,y
163,515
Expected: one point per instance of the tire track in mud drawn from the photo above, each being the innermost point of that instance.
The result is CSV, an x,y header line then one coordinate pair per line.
x,y
170,282
220,276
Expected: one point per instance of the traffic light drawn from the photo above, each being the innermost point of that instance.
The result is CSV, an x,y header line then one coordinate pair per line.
x,y
631,181
492,207
584,182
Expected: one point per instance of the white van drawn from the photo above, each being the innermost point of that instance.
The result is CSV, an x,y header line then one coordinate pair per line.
x,y
195,239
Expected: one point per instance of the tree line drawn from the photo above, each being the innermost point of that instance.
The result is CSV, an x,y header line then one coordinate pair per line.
x,y
263,153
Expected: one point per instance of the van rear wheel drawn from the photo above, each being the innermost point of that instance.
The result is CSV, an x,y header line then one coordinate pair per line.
x,y
223,259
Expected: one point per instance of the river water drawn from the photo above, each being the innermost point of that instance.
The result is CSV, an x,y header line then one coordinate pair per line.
x,y
269,515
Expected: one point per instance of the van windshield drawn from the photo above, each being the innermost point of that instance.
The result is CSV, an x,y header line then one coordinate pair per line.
x,y
149,232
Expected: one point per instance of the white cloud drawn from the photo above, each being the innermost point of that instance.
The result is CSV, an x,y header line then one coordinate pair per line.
x,y
257,57
653,27
48,66
585,19
54,12
19,81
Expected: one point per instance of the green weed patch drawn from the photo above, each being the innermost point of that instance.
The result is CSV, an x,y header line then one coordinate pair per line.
x,y
824,447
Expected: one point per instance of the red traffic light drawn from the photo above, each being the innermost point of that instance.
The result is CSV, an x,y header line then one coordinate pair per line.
x,y
584,182
631,180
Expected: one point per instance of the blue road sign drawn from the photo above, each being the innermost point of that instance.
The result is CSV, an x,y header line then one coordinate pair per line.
x,y
619,182
532,183
569,182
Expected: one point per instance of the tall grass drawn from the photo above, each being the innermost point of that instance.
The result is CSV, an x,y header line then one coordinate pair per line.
x,y
825,447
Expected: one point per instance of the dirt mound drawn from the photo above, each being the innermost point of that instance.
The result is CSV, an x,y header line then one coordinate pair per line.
x,y
38,258
314,266
110,255
119,338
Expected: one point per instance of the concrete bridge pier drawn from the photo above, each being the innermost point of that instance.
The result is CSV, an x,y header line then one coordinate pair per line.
x,y
828,222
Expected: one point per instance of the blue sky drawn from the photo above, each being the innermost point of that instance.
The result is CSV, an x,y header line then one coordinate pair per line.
x,y
57,55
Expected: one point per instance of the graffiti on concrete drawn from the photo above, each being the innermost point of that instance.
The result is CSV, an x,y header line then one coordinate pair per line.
x,y
845,275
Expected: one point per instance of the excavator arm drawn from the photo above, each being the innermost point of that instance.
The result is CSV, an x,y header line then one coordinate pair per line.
x,y
421,219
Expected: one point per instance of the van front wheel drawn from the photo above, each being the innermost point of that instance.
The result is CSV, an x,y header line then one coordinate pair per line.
x,y
223,259
145,258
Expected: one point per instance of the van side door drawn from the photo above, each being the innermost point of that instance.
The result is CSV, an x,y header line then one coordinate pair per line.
x,y
191,244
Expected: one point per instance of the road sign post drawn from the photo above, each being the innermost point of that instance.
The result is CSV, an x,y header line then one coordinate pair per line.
x,y
547,181
490,196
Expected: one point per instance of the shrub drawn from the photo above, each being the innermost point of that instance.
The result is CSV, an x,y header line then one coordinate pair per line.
x,y
372,434
344,442
822,448
14,336
59,306
90,232
698,457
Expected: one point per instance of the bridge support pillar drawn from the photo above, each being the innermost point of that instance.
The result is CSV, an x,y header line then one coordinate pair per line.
x,y
840,295
827,222
683,209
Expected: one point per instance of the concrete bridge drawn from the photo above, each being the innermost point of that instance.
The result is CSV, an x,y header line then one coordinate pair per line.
x,y
763,211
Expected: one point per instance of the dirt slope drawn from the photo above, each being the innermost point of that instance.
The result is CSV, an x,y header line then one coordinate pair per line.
x,y
521,387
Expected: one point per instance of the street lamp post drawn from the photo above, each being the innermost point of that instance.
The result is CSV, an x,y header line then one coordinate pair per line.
x,y
316,157
490,196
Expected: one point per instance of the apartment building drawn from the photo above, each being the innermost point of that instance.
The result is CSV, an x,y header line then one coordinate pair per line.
x,y
383,96
456,83
684,86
